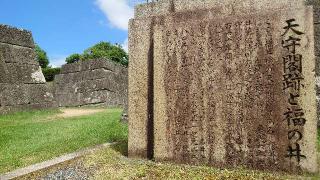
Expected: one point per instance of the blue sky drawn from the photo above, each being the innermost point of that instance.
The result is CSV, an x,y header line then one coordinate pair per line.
x,y
63,27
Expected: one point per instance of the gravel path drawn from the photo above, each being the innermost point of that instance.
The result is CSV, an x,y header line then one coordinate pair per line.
x,y
75,171
71,170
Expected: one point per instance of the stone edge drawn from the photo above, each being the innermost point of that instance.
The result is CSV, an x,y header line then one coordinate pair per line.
x,y
43,165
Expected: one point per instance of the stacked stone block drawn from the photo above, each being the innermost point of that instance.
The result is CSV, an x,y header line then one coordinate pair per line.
x,y
98,81
22,84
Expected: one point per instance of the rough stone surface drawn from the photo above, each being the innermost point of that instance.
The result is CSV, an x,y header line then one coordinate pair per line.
x,y
211,82
91,82
138,110
316,20
15,36
22,84
222,7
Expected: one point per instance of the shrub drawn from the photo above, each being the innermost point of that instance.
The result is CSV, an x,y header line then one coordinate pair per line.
x,y
49,73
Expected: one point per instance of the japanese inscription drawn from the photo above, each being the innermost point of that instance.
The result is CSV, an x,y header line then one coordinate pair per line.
x,y
292,83
234,58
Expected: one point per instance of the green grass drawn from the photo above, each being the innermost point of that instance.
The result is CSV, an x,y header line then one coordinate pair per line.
x,y
30,137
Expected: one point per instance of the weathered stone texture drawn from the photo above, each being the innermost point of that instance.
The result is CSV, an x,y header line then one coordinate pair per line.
x,y
14,36
221,7
91,82
22,84
210,82
316,20
138,110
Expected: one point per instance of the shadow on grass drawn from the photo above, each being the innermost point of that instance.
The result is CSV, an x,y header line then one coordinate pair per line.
x,y
121,147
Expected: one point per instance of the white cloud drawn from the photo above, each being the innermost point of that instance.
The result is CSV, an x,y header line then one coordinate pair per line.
x,y
125,45
118,12
57,60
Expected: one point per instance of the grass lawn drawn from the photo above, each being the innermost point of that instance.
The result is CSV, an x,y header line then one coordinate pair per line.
x,y
31,137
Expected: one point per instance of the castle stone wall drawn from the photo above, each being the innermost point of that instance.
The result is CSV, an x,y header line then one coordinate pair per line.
x,y
98,81
22,84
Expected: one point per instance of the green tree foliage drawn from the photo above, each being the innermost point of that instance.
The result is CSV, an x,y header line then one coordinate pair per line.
x,y
42,57
102,50
73,58
50,72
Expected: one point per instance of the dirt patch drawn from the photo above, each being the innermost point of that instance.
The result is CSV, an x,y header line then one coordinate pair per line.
x,y
70,112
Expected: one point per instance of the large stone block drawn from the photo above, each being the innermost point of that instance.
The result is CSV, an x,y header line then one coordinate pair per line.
x,y
71,88
94,97
68,99
17,54
101,63
15,36
96,74
115,99
13,95
25,73
140,55
98,64
4,74
25,94
69,78
107,83
71,68
39,93
121,70
232,85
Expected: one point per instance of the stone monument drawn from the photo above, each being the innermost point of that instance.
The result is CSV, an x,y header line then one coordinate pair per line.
x,y
22,84
224,83
316,24
92,82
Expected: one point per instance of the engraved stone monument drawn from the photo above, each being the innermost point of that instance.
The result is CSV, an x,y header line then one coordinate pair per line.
x,y
224,83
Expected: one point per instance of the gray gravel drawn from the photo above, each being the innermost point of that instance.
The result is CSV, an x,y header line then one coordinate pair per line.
x,y
72,170
67,173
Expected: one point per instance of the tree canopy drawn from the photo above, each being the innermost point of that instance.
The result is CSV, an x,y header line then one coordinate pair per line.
x,y
73,58
102,50
42,57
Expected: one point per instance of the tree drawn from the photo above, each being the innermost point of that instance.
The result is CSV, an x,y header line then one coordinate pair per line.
x,y
73,58
42,57
102,50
